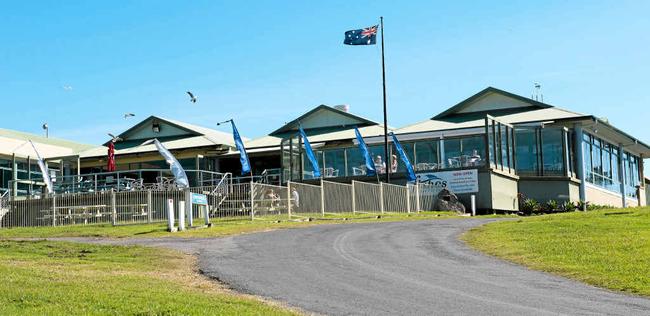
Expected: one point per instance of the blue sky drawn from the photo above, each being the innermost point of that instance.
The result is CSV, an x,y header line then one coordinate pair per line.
x,y
264,63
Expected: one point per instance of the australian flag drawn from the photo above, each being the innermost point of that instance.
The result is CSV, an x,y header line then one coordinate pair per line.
x,y
367,36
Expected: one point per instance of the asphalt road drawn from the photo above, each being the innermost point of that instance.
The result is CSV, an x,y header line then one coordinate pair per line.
x,y
405,268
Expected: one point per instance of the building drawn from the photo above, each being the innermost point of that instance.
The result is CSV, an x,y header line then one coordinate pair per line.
x,y
19,170
495,146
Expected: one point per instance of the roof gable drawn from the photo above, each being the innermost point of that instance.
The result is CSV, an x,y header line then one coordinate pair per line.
x,y
324,116
490,100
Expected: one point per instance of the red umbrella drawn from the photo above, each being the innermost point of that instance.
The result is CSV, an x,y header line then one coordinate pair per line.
x,y
111,157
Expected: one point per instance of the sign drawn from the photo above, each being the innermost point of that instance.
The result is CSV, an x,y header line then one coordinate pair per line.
x,y
458,181
199,199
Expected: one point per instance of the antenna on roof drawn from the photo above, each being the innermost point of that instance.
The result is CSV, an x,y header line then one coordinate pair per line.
x,y
537,92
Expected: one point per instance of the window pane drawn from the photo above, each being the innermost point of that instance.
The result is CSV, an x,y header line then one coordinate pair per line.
x,y
377,154
552,151
308,169
408,149
334,163
426,155
452,153
504,147
527,154
356,162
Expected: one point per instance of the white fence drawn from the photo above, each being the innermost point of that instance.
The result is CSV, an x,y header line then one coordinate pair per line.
x,y
225,201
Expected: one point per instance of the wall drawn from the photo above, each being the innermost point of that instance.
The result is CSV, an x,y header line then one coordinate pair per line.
x,y
542,190
596,195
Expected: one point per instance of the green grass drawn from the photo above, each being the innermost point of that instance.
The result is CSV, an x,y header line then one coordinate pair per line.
x,y
606,248
219,228
58,278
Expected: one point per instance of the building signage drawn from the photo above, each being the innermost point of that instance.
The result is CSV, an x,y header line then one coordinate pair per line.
x,y
458,181
199,199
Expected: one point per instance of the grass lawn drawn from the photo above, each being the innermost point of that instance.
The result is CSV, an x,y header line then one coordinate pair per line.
x,y
58,278
606,248
219,228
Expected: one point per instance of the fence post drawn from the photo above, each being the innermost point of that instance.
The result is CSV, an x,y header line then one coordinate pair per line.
x,y
408,199
322,198
188,208
289,198
417,197
113,208
252,201
473,205
381,197
149,207
53,210
354,200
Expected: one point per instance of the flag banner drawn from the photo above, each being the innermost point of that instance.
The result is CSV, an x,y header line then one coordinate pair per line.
x,y
177,170
310,153
44,171
405,159
366,36
370,165
110,166
243,157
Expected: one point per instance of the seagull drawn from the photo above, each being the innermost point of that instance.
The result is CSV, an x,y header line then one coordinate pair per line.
x,y
114,138
127,115
67,87
192,97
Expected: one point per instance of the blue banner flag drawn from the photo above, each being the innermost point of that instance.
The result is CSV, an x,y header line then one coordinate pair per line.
x,y
370,165
243,157
367,36
405,159
310,153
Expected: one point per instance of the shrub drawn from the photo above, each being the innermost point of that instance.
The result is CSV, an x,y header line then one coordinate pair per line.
x,y
568,206
529,206
552,206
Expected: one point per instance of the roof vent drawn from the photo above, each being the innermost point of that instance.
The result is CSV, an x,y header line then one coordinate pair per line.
x,y
343,107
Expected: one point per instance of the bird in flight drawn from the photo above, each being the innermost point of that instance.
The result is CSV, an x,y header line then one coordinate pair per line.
x,y
67,87
127,115
114,138
192,97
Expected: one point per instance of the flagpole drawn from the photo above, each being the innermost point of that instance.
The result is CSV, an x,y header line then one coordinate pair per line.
x,y
383,75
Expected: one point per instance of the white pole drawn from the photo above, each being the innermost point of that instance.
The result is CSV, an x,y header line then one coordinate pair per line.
x,y
170,215
149,207
188,208
252,201
206,215
181,215
473,205
322,198
289,198
417,197
113,208
408,199
53,210
354,200
381,197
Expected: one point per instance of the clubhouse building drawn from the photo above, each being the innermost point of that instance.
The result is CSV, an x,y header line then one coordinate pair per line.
x,y
495,145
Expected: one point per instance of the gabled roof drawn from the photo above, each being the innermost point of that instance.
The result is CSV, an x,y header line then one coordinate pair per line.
x,y
215,136
465,106
14,142
337,118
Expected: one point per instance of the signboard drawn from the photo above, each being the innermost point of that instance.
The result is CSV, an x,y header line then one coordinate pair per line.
x,y
458,181
199,199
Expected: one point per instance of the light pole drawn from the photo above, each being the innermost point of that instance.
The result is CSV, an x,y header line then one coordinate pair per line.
x,y
46,129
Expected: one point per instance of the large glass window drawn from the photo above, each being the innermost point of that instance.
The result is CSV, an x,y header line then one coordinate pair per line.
x,y
601,166
465,151
552,151
356,162
527,153
426,155
501,144
334,164
307,168
408,149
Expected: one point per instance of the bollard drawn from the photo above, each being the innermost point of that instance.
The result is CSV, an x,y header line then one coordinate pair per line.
x,y
473,205
206,215
170,216
181,215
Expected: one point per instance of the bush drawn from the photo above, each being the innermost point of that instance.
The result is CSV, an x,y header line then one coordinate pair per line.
x,y
552,206
530,206
568,206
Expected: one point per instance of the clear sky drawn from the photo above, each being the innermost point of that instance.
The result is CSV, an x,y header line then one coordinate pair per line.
x,y
81,65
